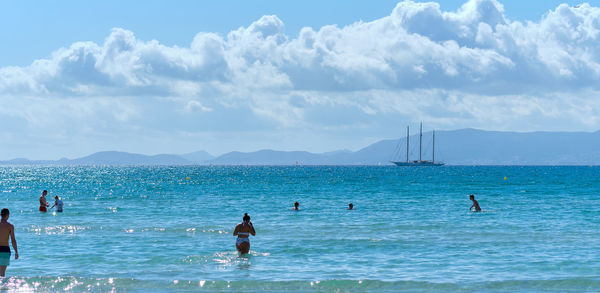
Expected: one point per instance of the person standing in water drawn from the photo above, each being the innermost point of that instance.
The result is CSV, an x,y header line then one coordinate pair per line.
x,y
243,231
7,230
58,203
43,203
475,204
296,205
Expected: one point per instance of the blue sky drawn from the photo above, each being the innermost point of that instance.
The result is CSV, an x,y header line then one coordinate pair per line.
x,y
37,28
179,76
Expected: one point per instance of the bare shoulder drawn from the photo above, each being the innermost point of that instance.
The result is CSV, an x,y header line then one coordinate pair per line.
x,y
9,226
6,226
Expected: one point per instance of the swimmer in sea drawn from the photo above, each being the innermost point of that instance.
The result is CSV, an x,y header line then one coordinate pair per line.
x,y
58,203
475,204
296,205
350,206
43,203
7,230
243,231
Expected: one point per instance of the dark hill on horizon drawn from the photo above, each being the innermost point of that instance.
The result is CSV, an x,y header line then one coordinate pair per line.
x,y
122,158
454,147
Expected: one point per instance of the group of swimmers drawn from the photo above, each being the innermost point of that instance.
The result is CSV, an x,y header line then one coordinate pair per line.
x,y
7,231
244,229
58,203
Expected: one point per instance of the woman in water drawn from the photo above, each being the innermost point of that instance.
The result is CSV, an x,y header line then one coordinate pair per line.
x,y
243,231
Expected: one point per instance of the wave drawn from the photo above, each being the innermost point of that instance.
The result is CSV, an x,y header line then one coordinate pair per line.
x,y
78,284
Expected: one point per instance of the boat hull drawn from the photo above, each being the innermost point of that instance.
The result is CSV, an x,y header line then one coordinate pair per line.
x,y
418,164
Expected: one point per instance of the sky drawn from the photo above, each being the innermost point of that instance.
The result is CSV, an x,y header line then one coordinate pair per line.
x,y
77,77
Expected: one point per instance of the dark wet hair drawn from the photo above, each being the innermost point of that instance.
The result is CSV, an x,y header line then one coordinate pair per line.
x,y
246,218
4,212
471,196
45,191
296,204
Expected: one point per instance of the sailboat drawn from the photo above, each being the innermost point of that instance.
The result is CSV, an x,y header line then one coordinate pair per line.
x,y
419,162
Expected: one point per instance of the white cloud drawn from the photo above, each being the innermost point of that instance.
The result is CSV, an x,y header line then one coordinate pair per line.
x,y
196,106
468,68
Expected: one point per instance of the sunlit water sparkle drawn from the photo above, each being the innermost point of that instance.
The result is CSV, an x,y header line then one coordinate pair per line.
x,y
150,228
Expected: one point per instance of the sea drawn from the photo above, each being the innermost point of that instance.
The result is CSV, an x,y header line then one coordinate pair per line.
x,y
169,228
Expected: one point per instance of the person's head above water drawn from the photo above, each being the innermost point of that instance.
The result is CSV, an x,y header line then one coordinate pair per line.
x,y
246,218
5,213
44,192
471,196
56,197
296,205
350,206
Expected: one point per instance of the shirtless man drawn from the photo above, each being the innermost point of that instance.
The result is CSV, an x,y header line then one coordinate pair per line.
x,y
475,204
243,231
6,230
43,203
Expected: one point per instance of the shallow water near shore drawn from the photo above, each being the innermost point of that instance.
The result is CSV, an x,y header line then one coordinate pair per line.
x,y
152,229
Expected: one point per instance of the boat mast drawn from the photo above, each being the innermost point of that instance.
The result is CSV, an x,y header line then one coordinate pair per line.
x,y
407,136
420,140
433,151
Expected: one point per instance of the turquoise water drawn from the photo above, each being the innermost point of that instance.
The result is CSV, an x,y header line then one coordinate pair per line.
x,y
150,229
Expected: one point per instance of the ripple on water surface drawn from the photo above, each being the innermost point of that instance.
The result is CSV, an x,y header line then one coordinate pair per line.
x,y
137,228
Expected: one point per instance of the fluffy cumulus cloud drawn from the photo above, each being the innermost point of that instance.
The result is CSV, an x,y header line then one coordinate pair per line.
x,y
472,67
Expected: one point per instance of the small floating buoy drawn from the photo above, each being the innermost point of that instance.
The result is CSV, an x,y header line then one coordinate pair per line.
x,y
505,178
188,178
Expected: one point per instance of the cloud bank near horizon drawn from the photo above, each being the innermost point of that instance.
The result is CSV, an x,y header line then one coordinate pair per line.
x,y
468,68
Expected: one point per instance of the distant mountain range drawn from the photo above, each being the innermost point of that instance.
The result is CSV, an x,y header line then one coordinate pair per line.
x,y
455,147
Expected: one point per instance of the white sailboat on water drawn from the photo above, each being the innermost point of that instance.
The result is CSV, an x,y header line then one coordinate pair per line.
x,y
418,162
